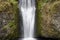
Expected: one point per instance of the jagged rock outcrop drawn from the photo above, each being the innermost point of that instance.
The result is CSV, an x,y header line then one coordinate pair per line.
x,y
8,19
48,18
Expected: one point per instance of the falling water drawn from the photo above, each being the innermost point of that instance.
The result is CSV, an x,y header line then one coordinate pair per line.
x,y
27,8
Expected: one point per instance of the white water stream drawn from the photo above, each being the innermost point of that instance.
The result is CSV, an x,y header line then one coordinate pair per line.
x,y
27,8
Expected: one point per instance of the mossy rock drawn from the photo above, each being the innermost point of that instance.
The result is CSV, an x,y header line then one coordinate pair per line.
x,y
8,19
47,20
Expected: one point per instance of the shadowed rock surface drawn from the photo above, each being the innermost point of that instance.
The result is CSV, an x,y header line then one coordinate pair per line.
x,y
48,18
8,19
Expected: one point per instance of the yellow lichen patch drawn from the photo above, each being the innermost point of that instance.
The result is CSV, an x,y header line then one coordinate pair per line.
x,y
55,7
3,5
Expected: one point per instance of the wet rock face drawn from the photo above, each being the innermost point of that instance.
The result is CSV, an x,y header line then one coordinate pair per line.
x,y
3,17
56,21
48,16
56,16
8,20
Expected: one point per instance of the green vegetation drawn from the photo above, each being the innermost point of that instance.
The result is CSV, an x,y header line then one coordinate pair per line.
x,y
9,19
46,17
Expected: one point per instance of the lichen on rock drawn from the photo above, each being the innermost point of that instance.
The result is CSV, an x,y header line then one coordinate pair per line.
x,y
48,18
8,19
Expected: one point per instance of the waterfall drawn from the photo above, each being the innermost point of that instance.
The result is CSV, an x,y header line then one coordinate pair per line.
x,y
27,8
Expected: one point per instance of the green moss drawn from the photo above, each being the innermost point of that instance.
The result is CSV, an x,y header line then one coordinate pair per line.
x,y
10,7
43,18
38,17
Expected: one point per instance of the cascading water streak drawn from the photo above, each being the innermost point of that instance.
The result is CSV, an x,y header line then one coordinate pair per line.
x,y
27,8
